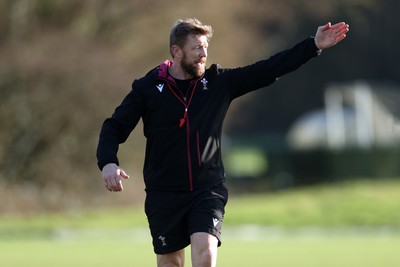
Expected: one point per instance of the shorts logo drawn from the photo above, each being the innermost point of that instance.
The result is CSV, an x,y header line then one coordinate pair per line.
x,y
162,239
215,221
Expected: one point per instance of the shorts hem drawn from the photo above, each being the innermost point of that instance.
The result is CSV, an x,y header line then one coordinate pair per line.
x,y
163,251
213,233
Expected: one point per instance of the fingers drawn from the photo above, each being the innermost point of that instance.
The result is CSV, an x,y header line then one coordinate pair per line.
x,y
123,174
340,28
113,184
112,177
341,31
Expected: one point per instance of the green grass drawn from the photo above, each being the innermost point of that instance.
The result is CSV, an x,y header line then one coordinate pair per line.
x,y
339,251
82,253
350,250
360,203
350,224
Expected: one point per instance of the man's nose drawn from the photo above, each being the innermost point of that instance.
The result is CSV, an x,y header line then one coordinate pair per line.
x,y
203,52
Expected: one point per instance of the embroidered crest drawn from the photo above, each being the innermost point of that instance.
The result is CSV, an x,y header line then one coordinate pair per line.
x,y
204,82
162,240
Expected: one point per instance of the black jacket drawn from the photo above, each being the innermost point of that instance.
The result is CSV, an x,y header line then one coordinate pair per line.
x,y
183,149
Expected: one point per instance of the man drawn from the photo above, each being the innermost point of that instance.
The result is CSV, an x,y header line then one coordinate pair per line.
x,y
183,105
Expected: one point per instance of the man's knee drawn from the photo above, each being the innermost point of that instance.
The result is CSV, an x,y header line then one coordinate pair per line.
x,y
175,259
206,257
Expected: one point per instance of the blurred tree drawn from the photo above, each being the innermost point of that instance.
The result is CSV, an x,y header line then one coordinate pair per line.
x,y
66,63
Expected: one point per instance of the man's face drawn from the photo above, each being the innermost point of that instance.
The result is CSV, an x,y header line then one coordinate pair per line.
x,y
194,55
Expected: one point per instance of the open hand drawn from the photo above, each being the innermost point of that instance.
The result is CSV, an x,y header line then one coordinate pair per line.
x,y
328,35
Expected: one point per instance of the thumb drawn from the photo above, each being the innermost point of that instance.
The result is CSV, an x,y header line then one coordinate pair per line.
x,y
326,26
123,174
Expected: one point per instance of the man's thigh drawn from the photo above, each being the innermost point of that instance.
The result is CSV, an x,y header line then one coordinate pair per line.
x,y
207,212
174,216
166,213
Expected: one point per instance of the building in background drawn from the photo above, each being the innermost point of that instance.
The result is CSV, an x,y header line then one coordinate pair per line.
x,y
355,135
356,115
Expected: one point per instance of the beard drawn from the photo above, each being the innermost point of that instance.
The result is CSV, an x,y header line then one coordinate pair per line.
x,y
192,68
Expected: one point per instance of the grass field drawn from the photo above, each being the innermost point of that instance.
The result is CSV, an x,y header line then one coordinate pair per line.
x,y
340,250
347,225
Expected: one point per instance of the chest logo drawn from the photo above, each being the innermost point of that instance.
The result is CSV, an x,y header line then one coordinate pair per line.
x,y
204,82
160,87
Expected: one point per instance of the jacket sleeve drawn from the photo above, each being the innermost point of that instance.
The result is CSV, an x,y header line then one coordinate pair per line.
x,y
116,129
265,72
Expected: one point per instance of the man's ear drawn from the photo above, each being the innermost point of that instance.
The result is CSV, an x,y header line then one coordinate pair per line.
x,y
176,51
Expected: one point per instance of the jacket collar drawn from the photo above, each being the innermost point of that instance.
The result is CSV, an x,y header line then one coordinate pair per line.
x,y
162,72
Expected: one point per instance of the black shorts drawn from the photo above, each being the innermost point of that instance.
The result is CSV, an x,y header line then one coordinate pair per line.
x,y
174,216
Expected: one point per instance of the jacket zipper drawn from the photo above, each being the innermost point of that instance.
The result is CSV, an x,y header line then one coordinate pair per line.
x,y
198,147
188,155
185,119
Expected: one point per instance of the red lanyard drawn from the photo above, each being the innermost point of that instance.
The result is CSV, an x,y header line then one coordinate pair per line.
x,y
185,104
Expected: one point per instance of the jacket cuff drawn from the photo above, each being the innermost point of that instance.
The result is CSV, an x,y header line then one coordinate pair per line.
x,y
317,50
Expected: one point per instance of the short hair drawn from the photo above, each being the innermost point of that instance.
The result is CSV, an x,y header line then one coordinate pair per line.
x,y
183,28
